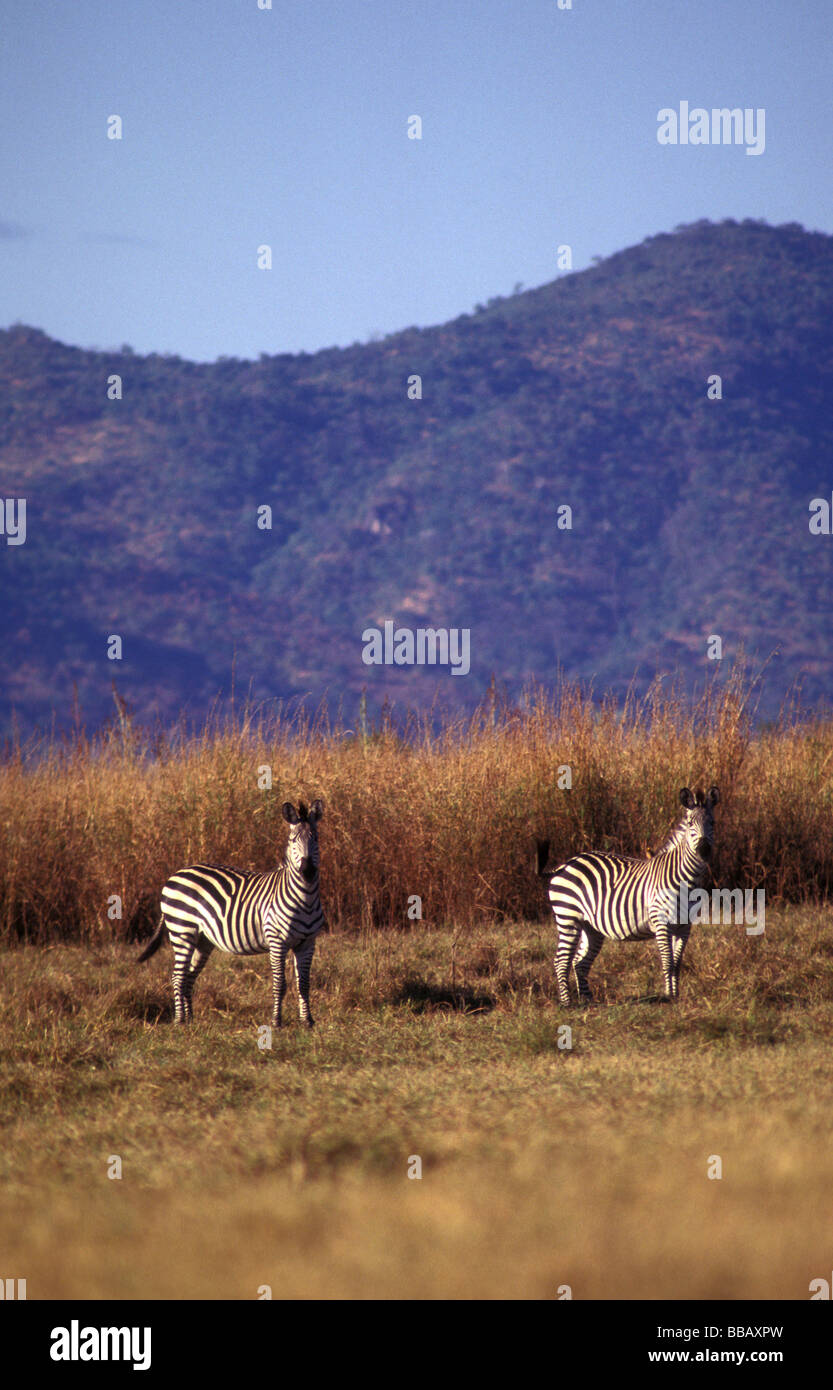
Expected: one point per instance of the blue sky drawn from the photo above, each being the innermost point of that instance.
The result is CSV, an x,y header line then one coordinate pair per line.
x,y
289,127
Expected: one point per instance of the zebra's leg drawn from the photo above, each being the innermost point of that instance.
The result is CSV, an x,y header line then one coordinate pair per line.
x,y
569,933
183,946
303,962
590,945
663,935
277,959
678,945
202,951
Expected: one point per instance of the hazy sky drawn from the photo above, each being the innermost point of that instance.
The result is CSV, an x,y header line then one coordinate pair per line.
x,y
288,127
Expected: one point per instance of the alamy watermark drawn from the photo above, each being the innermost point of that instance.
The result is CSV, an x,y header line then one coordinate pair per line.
x,y
13,522
721,907
821,512
425,646
77,1343
720,126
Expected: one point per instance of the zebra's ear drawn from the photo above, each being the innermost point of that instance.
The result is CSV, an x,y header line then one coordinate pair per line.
x,y
686,798
714,796
316,810
290,814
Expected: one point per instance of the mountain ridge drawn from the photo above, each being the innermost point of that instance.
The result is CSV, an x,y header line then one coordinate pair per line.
x,y
689,515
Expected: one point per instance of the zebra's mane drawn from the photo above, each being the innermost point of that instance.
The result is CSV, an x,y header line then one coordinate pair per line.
x,y
673,838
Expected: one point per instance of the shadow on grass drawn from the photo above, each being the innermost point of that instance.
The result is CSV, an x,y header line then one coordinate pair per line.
x,y
425,998
648,999
148,1010
757,1027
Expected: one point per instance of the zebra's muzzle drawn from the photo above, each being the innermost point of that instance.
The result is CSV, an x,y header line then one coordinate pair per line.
x,y
704,849
308,869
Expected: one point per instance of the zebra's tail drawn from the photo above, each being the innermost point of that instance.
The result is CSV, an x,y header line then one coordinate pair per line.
x,y
155,942
542,854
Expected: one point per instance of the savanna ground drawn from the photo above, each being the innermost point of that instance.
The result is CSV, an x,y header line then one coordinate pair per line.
x,y
542,1167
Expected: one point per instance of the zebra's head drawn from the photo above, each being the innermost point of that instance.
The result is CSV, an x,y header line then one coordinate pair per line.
x,y
302,849
698,822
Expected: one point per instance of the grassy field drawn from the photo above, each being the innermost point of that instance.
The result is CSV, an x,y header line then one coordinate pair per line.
x,y
542,1167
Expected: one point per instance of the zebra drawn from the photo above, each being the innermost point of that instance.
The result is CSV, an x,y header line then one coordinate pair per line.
x,y
594,896
208,905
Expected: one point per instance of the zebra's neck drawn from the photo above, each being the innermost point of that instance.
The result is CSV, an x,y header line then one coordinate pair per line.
x,y
688,866
672,839
297,884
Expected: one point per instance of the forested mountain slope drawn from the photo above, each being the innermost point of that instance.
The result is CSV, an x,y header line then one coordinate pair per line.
x,y
690,516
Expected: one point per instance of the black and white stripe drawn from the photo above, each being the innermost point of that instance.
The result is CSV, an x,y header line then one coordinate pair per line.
x,y
208,905
594,896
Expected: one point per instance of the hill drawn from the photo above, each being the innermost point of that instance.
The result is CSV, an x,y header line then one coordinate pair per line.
x,y
689,515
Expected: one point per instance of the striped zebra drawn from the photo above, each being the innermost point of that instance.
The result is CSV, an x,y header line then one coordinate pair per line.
x,y
594,896
210,905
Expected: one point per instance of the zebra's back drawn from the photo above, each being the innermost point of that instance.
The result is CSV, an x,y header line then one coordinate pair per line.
x,y
611,892
226,904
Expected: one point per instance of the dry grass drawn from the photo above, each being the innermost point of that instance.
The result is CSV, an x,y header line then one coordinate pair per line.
x,y
542,1167
448,814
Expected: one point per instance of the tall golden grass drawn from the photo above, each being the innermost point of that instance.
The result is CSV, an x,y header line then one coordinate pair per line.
x,y
448,813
